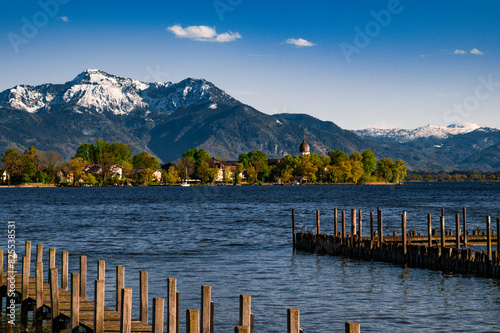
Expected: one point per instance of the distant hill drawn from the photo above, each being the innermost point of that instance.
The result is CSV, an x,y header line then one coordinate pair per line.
x,y
165,119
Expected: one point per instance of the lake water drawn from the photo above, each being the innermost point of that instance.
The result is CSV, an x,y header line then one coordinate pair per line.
x,y
238,240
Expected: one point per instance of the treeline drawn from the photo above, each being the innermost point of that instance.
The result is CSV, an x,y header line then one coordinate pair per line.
x,y
455,176
196,164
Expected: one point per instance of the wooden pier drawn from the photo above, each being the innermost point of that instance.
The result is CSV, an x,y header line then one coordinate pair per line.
x,y
437,250
63,306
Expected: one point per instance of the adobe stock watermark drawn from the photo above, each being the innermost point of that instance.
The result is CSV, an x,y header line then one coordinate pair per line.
x,y
363,37
11,273
30,28
155,75
471,103
223,6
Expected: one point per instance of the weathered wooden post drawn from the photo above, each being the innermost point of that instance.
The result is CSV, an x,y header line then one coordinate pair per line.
x,y
403,231
120,284
192,321
241,329
317,223
335,222
75,302
293,227
293,321
83,277
126,316
101,270
457,226
353,222
372,235
39,296
54,298
443,245
143,296
177,299
442,211
465,225
172,305
245,311
429,229
39,252
352,327
99,306
64,270
27,250
24,294
206,292
52,258
488,237
360,224
380,225
343,226
158,314
1,276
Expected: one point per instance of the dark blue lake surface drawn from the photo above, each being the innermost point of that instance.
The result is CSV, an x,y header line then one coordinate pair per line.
x,y
238,240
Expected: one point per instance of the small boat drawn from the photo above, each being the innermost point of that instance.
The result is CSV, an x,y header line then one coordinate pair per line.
x,y
184,184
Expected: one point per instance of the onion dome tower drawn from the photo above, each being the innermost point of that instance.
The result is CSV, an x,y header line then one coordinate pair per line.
x,y
304,148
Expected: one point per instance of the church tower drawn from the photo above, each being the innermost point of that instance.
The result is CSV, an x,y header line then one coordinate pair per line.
x,y
304,148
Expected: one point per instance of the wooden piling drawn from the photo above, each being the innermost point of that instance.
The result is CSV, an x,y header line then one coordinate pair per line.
x,y
99,306
143,296
39,252
27,250
343,226
403,231
192,321
464,217
101,270
178,311
372,235
83,277
172,305
360,220
317,223
353,222
120,284
241,329
380,226
488,237
52,258
252,322
54,297
126,316
293,227
158,314
443,233
245,310
293,321
457,226
75,302
206,292
335,222
1,276
429,230
352,328
64,270
38,312
24,294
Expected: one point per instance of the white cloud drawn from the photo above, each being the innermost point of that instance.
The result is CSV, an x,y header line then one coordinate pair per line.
x,y
299,42
64,18
459,52
476,52
202,33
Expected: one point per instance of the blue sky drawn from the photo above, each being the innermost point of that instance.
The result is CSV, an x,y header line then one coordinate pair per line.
x,y
356,63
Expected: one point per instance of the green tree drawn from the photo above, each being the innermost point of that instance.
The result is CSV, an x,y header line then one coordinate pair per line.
x,y
31,165
144,177
50,162
252,174
398,171
337,156
121,153
243,159
13,164
356,170
356,156
369,162
144,160
384,169
88,152
171,175
77,167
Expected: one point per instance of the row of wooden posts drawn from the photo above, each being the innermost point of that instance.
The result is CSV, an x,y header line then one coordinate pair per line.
x,y
461,235
197,321
370,247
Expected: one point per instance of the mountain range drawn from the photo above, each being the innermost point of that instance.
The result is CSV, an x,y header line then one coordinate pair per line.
x,y
165,119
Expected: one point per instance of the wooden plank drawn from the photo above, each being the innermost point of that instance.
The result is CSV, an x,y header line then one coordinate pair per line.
x,y
206,292
335,222
126,316
75,302
488,237
52,258
443,242
27,250
372,236
464,218
192,321
241,329
429,230
54,297
245,310
83,277
343,226
101,270
172,305
120,284
360,221
158,314
380,226
39,296
317,223
352,327
99,306
293,321
39,252
457,231
403,232
143,296
353,222
25,278
64,270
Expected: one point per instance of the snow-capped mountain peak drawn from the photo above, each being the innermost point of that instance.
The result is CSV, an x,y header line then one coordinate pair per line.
x,y
428,131
96,91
